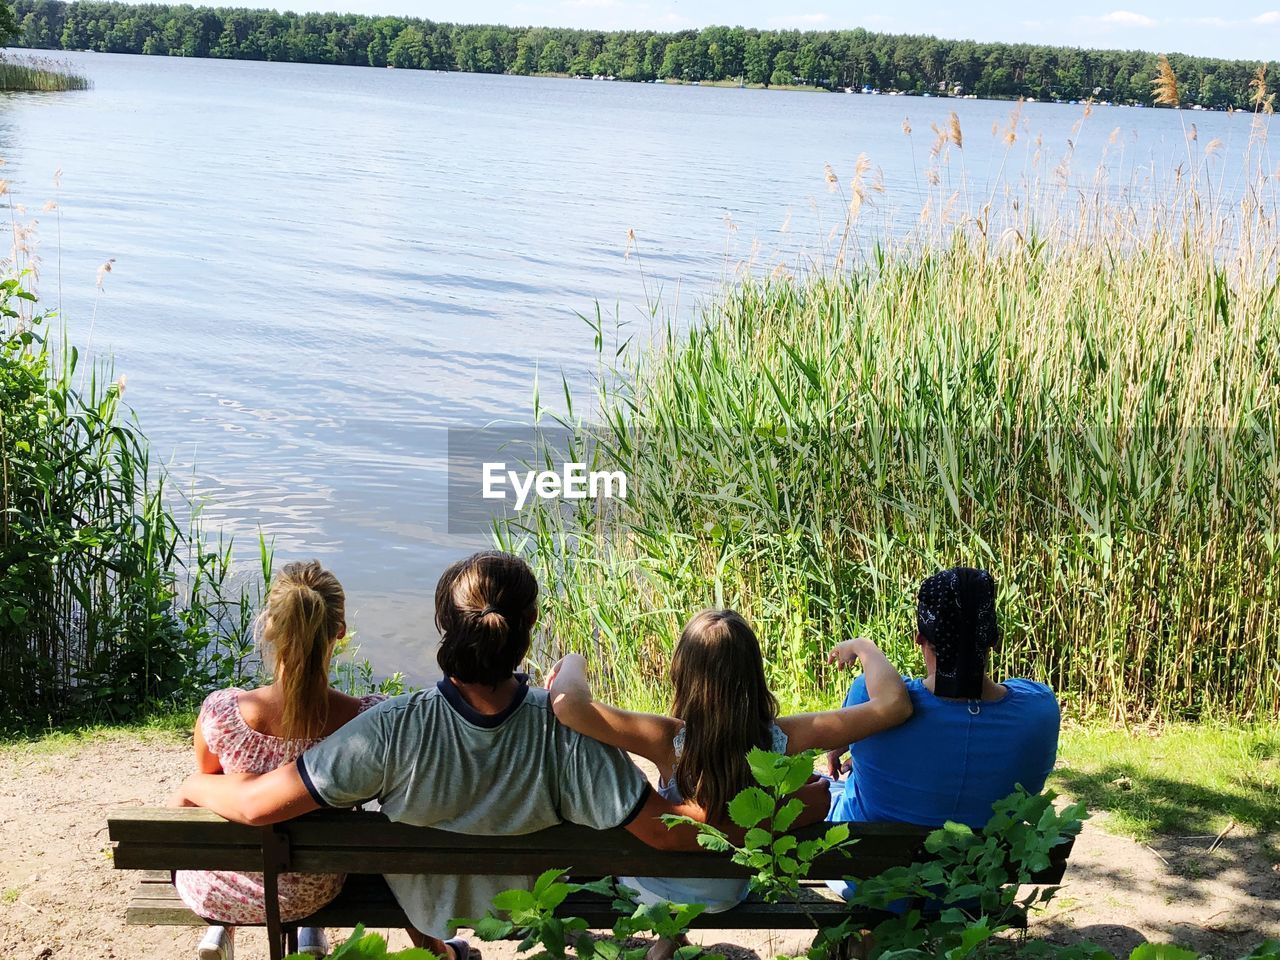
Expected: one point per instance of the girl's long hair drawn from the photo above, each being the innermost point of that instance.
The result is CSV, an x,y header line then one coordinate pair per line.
x,y
720,693
305,613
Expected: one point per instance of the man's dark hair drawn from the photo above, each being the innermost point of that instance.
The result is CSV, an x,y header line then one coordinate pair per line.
x,y
485,611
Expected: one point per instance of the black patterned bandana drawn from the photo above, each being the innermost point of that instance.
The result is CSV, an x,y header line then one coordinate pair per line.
x,y
956,615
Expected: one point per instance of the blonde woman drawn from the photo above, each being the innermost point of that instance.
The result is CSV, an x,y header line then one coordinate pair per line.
x,y
256,731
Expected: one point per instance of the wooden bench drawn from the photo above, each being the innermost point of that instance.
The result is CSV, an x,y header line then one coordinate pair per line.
x,y
365,845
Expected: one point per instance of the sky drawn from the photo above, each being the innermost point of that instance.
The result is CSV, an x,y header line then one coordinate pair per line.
x,y
1223,29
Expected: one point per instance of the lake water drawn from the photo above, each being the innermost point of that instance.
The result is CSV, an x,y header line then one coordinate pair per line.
x,y
318,270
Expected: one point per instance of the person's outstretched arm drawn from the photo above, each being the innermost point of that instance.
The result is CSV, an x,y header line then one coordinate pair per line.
x,y
256,799
888,706
645,734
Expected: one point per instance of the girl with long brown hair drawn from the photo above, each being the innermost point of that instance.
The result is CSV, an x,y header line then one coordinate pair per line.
x,y
721,708
255,731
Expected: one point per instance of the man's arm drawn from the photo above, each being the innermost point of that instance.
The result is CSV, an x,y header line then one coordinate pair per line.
x,y
646,734
647,826
256,799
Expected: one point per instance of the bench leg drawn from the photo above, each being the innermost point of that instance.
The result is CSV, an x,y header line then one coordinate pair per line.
x,y
856,946
275,860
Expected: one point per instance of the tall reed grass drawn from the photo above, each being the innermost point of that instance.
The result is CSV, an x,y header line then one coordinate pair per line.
x,y
1072,388
39,74
110,604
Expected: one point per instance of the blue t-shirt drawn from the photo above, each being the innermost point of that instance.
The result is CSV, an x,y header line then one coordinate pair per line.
x,y
953,759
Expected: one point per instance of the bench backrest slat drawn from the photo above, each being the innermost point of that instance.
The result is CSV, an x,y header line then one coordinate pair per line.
x,y
362,842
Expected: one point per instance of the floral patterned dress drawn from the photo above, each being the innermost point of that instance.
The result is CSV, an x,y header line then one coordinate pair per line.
x,y
238,898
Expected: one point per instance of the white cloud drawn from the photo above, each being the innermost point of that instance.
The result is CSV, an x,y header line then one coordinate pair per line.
x,y
800,20
1267,19
1127,18
671,20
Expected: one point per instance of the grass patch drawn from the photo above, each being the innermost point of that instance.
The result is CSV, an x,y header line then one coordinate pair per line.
x,y
163,726
1183,780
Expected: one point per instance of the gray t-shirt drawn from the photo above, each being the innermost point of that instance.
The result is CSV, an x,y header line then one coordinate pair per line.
x,y
433,761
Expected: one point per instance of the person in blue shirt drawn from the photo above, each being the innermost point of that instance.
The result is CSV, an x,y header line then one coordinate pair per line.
x,y
970,740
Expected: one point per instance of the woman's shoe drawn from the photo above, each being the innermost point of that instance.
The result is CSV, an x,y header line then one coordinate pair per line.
x,y
218,944
461,949
312,941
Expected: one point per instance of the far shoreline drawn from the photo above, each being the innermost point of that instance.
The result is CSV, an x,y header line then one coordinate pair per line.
x,y
716,84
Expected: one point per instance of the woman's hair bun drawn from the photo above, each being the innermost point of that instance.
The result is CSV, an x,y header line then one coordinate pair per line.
x,y
485,610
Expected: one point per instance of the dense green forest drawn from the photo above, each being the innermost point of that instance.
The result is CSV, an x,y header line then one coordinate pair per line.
x,y
831,59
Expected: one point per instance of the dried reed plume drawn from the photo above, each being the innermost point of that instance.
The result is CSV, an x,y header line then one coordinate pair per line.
x,y
1259,85
833,182
1165,85
940,138
1263,101
857,189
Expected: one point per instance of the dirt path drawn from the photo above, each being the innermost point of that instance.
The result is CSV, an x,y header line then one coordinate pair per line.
x,y
60,898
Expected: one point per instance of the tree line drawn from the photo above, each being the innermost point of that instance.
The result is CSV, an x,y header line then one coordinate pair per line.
x,y
834,59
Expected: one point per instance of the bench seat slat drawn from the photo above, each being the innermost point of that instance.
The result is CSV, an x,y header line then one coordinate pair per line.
x,y
367,900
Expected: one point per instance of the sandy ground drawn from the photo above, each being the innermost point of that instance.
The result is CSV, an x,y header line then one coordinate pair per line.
x,y
60,897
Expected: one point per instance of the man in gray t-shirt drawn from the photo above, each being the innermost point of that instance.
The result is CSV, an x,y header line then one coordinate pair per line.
x,y
510,773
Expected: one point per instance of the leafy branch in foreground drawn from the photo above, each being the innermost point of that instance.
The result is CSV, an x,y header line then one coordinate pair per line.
x,y
955,904
531,916
369,946
766,812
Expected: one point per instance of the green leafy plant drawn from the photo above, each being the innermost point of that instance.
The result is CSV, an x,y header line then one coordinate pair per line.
x,y
958,902
369,946
766,812
665,921
531,916
958,905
